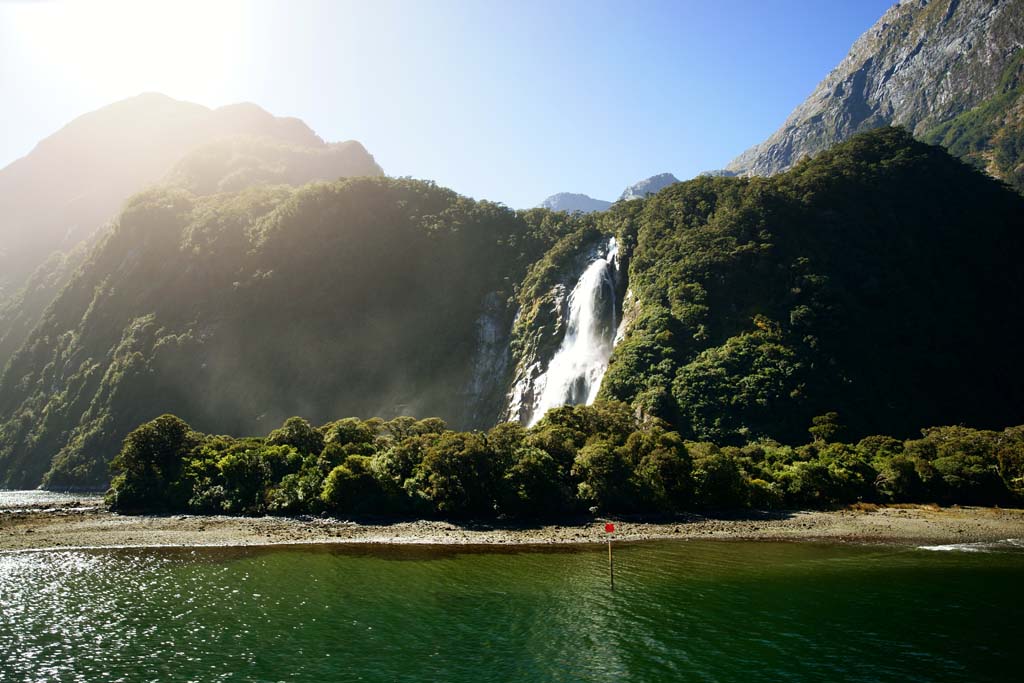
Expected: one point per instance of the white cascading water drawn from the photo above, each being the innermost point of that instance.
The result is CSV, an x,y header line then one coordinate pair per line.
x,y
573,376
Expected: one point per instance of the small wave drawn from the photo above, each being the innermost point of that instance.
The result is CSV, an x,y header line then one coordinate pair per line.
x,y
978,547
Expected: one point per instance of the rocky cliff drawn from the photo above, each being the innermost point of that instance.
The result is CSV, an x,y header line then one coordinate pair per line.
x,y
571,202
922,65
648,186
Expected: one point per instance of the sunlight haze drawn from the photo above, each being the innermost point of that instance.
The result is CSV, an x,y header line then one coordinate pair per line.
x,y
510,103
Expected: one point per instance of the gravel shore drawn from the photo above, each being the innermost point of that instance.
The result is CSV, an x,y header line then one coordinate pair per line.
x,y
91,526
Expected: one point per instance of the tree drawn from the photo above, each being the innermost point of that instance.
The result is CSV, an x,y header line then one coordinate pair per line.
x,y
151,464
718,481
297,432
455,475
664,468
246,475
604,476
825,428
351,487
532,485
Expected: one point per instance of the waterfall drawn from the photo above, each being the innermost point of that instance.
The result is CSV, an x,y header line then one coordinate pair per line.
x,y
574,374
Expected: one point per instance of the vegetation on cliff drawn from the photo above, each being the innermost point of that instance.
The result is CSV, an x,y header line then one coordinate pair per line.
x,y
361,296
879,280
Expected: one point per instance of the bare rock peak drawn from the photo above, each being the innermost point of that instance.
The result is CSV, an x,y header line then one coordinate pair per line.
x,y
921,64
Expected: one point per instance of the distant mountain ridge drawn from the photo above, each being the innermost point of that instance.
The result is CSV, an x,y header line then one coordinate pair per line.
x,y
648,186
924,66
57,199
571,202
75,180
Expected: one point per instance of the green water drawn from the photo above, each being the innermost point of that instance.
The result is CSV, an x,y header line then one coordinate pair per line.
x,y
714,611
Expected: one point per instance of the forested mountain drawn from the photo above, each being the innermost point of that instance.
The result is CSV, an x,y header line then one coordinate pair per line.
x,y
366,296
61,195
878,280
950,71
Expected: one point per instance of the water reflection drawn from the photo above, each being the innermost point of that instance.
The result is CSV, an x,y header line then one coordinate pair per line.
x,y
680,611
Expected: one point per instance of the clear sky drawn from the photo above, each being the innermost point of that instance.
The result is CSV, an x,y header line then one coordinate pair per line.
x,y
509,101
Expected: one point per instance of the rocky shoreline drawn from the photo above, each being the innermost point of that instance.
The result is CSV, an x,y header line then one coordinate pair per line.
x,y
76,525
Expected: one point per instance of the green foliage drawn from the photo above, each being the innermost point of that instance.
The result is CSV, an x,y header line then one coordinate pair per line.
x,y
456,476
150,466
825,427
718,481
604,476
866,281
663,467
245,475
990,136
299,434
533,485
352,487
575,458
237,310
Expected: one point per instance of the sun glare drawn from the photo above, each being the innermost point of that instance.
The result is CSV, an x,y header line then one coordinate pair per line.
x,y
113,48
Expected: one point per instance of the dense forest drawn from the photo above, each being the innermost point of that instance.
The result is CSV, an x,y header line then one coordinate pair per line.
x,y
358,296
56,207
878,280
574,459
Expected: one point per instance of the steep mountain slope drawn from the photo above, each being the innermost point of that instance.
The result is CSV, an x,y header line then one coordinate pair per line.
x,y
880,280
367,296
920,66
76,179
58,198
571,202
647,186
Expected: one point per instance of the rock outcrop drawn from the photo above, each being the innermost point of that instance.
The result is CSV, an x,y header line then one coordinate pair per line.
x,y
648,186
571,202
921,65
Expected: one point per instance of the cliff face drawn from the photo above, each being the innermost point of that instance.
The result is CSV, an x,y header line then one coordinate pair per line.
x,y
651,185
921,65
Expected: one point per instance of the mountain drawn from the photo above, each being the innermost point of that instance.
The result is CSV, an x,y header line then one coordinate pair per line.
x,y
74,181
571,202
366,296
879,280
648,186
950,71
57,199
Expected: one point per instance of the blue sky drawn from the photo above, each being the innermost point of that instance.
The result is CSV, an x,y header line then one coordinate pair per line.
x,y
509,101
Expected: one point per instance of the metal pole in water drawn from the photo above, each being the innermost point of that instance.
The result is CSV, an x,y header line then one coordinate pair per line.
x,y
609,528
611,565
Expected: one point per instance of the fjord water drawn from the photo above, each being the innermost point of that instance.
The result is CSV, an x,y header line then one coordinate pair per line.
x,y
702,611
10,500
